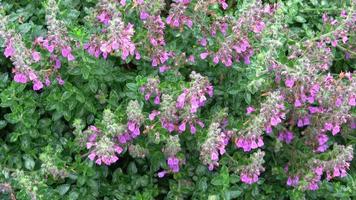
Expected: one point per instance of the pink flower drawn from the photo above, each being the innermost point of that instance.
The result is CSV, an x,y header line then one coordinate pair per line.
x,y
336,129
37,85
153,115
204,55
20,78
161,174
92,156
60,80
66,51
250,110
173,163
182,127
328,126
36,56
181,100
9,50
144,15
203,42
352,100
258,26
123,2
191,59
297,103
289,82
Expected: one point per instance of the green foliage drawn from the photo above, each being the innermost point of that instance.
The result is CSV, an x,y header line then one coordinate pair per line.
x,y
39,152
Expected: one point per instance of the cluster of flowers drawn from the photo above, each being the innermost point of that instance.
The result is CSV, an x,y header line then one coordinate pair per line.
x,y
271,114
340,158
171,149
114,37
151,88
56,42
177,17
236,46
176,115
321,103
155,26
311,103
104,11
106,142
341,28
217,140
21,58
250,173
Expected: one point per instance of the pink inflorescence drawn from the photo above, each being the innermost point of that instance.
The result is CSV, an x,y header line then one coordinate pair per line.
x,y
249,143
106,143
151,89
102,149
286,136
250,173
177,17
218,138
114,37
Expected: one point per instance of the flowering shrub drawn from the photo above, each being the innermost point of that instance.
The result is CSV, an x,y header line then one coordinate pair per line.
x,y
181,99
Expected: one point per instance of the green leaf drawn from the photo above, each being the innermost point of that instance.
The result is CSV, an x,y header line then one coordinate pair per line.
x,y
300,19
12,118
29,162
24,28
93,85
3,123
247,98
132,169
132,87
73,195
66,95
63,189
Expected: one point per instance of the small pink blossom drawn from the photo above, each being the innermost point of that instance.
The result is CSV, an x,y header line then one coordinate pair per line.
x,y
36,56
20,78
250,110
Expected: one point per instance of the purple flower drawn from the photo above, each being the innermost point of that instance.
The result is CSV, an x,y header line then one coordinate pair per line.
x,y
328,126
157,100
289,82
161,174
322,139
144,15
293,181
250,110
313,186
182,127
336,129
352,100
181,100
60,80
204,55
36,56
173,163
37,85
313,109
258,26
153,115
9,50
20,78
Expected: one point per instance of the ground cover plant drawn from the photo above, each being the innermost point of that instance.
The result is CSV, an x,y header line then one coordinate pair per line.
x,y
177,99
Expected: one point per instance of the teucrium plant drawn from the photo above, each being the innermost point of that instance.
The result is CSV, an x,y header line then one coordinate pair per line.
x,y
188,99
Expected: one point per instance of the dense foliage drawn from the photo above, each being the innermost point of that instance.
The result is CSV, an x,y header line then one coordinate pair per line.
x,y
181,99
